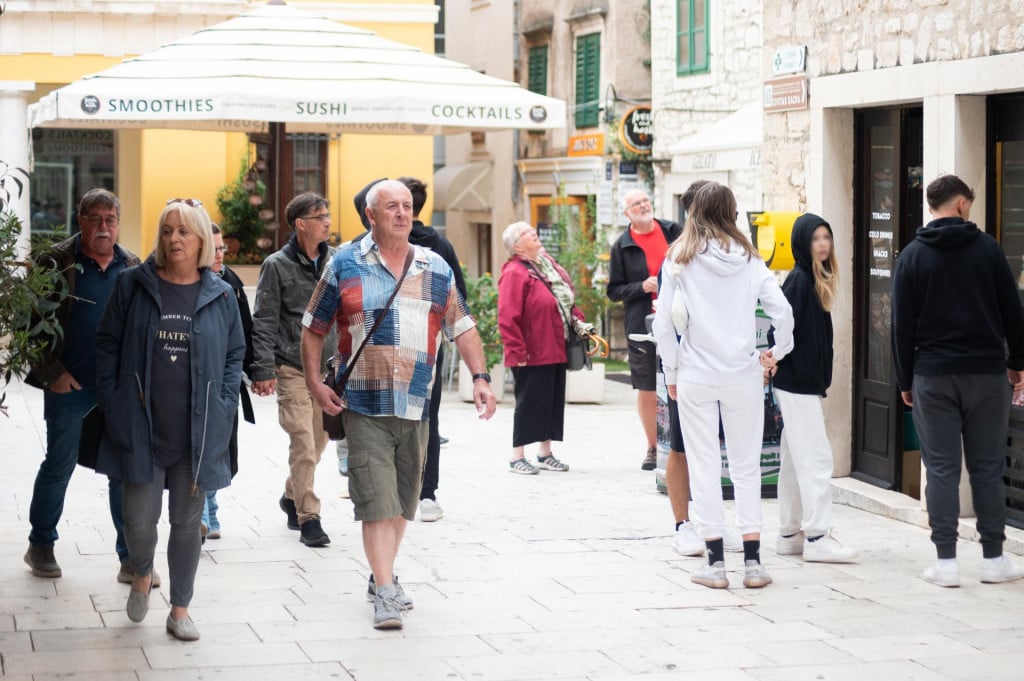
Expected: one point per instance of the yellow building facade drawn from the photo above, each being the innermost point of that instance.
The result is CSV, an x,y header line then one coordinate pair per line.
x,y
50,44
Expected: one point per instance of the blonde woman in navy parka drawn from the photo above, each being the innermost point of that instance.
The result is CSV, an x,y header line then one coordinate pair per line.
x,y
169,354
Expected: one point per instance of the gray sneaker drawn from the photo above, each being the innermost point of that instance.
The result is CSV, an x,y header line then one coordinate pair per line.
x,y
42,561
127,573
403,599
386,612
755,575
711,576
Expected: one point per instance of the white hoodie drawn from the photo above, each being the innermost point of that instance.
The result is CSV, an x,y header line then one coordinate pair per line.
x,y
720,290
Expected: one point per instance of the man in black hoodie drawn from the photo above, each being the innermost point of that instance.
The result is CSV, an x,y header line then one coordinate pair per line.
x,y
427,237
955,310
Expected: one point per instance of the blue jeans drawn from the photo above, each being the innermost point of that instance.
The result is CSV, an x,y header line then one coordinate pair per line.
x,y
63,415
210,511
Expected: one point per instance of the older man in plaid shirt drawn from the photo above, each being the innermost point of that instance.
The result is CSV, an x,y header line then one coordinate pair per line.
x,y
387,398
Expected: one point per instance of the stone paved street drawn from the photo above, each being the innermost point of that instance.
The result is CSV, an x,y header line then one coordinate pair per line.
x,y
560,576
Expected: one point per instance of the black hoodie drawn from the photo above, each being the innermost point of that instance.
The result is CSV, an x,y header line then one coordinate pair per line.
x,y
421,235
953,304
807,369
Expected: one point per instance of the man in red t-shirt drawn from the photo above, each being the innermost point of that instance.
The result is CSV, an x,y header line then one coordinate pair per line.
x,y
636,258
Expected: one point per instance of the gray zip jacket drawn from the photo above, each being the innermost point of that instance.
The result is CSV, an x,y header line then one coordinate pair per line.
x,y
287,280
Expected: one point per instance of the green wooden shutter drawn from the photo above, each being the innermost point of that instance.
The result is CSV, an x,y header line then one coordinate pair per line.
x,y
588,80
692,37
538,70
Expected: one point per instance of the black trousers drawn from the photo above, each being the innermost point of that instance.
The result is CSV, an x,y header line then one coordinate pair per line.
x,y
540,404
431,471
974,409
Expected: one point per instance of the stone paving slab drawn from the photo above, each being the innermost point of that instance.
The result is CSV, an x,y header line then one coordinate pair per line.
x,y
566,576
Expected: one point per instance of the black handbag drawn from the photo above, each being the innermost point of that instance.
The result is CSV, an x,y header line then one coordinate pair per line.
x,y
333,424
93,425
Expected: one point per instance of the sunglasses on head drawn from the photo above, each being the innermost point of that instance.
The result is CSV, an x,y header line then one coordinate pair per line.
x,y
194,203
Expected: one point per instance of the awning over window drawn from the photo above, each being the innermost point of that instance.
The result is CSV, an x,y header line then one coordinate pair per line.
x,y
732,142
463,187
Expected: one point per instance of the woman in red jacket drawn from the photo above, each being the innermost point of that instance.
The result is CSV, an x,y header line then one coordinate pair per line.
x,y
536,306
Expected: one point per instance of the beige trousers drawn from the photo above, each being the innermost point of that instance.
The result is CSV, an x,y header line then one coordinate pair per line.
x,y
302,419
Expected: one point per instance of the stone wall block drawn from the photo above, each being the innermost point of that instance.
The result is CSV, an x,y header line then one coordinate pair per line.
x,y
906,52
911,22
944,22
1004,39
888,54
945,49
849,61
833,60
892,26
924,39
865,60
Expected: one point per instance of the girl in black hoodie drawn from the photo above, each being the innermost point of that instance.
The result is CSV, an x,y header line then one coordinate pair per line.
x,y
801,379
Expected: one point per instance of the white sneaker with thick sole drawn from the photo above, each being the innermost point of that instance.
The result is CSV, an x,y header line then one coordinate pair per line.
x,y
999,570
790,546
733,540
711,576
944,573
755,576
828,549
430,511
687,542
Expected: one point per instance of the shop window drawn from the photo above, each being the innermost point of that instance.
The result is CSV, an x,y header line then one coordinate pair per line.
x,y
68,163
588,80
309,163
692,37
538,70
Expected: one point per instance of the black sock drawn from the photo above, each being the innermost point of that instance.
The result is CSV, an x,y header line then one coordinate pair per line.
x,y
680,524
716,550
752,550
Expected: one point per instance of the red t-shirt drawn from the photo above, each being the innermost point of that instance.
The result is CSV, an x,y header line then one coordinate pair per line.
x,y
654,247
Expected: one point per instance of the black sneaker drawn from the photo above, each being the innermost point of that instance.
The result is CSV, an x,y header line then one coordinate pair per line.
x,y
288,506
42,561
651,460
313,534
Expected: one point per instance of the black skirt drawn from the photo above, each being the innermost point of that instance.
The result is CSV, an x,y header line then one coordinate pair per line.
x,y
540,404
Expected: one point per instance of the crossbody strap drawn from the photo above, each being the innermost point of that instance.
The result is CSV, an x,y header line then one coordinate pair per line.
x,y
340,385
530,266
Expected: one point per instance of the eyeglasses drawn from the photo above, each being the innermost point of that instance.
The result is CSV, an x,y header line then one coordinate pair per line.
x,y
96,220
639,202
323,217
524,233
194,203
221,249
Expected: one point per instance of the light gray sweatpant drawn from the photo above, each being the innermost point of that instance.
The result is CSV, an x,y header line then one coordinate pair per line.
x,y
142,506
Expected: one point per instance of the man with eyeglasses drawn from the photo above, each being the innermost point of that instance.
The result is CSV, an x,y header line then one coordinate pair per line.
x,y
287,279
636,258
66,372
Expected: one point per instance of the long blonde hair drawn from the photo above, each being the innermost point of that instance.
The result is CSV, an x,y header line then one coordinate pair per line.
x,y
712,217
826,275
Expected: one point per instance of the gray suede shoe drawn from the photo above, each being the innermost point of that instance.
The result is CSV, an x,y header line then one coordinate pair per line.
x,y
138,604
183,629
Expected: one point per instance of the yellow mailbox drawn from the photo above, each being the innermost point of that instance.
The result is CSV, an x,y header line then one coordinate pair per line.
x,y
770,231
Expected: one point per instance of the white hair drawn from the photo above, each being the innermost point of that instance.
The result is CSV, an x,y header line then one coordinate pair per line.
x,y
371,196
511,235
624,202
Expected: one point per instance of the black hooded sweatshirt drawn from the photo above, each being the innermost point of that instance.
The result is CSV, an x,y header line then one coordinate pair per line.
x,y
421,235
953,304
807,369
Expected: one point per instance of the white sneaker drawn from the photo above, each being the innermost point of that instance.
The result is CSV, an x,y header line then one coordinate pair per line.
x,y
733,540
828,549
944,573
755,576
998,570
687,542
711,576
430,511
790,546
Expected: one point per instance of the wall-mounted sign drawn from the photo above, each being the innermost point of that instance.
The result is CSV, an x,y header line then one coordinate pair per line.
x,y
785,94
789,59
586,145
636,130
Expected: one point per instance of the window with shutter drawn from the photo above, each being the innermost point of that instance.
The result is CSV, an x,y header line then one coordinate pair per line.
x,y
588,80
692,37
538,70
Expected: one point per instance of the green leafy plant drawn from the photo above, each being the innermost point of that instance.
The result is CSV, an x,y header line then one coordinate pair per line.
x,y
582,250
29,295
482,300
240,203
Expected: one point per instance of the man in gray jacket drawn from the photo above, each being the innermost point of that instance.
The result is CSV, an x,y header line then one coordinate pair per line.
x,y
286,282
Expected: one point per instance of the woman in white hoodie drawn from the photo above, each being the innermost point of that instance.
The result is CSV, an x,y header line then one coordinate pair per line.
x,y
715,368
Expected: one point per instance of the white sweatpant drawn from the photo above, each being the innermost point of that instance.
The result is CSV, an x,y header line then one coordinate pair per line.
x,y
805,494
742,410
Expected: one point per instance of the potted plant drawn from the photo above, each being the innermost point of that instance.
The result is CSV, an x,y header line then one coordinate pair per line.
x,y
244,217
581,250
29,296
482,300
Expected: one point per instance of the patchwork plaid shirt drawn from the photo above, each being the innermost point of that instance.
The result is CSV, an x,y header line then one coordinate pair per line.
x,y
394,374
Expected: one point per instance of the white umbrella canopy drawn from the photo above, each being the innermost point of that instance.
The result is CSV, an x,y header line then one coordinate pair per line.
x,y
279,64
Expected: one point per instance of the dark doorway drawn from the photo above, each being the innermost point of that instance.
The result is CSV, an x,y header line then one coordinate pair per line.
x,y
888,209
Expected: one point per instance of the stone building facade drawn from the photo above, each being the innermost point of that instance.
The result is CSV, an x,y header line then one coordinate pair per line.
x,y
900,91
707,122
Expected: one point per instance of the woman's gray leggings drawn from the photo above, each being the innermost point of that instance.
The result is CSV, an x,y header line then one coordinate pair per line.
x,y
142,506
